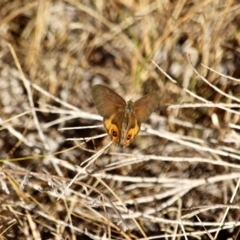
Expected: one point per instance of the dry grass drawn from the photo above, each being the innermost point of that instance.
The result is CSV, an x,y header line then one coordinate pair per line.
x,y
178,179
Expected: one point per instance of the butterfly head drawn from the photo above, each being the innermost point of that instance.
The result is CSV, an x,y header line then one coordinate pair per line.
x,y
129,107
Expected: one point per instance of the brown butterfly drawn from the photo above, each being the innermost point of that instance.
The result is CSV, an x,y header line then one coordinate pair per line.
x,y
121,116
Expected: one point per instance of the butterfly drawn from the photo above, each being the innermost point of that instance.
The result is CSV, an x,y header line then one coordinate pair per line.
x,y
121,117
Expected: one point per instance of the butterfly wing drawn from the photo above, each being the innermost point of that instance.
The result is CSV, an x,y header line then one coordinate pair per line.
x,y
144,106
140,112
132,129
112,108
107,101
113,125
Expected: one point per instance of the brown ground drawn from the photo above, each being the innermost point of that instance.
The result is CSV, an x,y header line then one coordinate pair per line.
x,y
181,173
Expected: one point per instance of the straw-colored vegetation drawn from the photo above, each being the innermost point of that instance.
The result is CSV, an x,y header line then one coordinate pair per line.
x,y
180,176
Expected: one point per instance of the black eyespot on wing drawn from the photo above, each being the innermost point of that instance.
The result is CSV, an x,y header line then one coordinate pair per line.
x,y
129,136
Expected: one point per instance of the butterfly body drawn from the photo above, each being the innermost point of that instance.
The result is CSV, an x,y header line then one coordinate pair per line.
x,y
121,117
